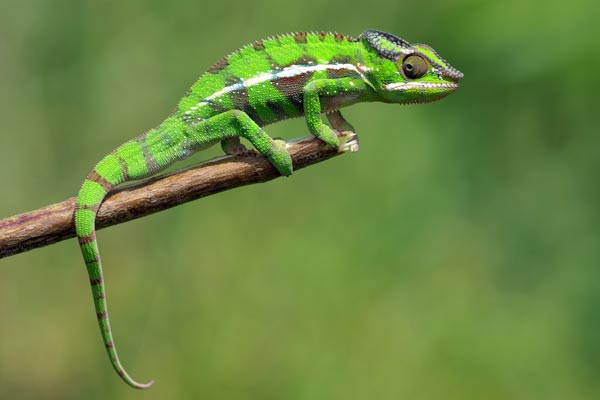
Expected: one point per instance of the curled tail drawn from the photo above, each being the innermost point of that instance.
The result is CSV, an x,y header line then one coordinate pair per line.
x,y
121,165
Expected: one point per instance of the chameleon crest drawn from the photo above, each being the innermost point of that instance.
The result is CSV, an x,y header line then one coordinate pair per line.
x,y
387,45
304,74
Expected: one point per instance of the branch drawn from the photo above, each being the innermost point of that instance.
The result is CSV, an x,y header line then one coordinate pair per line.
x,y
54,223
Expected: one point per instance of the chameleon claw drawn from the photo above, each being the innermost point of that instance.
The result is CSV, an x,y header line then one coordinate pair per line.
x,y
348,141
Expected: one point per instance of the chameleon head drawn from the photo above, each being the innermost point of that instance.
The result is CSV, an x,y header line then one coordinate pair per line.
x,y
406,73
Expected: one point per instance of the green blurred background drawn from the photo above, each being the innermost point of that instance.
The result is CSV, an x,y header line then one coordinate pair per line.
x,y
454,257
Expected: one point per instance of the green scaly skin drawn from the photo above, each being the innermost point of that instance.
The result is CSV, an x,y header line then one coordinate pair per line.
x,y
286,76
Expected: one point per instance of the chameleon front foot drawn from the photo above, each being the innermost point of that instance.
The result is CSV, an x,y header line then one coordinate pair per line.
x,y
280,157
328,136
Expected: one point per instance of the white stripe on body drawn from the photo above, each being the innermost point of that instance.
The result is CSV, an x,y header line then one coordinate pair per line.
x,y
287,72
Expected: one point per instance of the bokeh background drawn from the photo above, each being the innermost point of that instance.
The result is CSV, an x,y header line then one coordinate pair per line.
x,y
456,256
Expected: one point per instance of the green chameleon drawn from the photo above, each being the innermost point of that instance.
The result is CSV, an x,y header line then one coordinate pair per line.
x,y
285,76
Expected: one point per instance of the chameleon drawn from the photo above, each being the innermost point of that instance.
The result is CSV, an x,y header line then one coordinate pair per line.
x,y
309,74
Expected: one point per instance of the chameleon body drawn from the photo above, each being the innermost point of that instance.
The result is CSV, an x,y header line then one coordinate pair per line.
x,y
285,76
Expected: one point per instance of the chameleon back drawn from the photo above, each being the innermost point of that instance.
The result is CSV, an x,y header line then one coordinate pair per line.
x,y
266,78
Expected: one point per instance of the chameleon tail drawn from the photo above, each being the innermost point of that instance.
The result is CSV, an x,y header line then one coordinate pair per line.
x,y
108,173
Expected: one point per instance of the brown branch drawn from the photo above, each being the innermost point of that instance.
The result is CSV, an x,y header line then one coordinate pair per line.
x,y
54,223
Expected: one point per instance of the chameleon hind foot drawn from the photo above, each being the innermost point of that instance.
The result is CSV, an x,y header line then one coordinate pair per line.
x,y
327,135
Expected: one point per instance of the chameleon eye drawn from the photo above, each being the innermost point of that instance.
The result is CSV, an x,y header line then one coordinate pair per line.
x,y
414,67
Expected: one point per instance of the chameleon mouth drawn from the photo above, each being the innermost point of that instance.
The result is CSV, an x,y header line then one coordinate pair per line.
x,y
402,86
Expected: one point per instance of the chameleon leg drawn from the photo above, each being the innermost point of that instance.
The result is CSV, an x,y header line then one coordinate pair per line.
x,y
316,93
232,124
338,122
